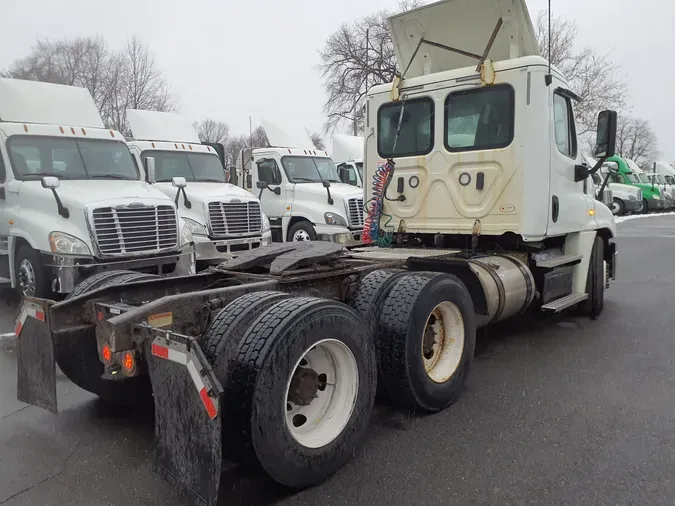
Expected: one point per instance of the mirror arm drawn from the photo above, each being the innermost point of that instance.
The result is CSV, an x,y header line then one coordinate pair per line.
x,y
581,172
602,188
330,199
63,211
186,202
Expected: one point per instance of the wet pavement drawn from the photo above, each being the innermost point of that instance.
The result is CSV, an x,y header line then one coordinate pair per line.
x,y
565,411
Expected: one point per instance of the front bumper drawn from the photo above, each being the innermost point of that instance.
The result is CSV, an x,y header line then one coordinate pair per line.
x,y
216,250
339,235
653,204
68,271
632,205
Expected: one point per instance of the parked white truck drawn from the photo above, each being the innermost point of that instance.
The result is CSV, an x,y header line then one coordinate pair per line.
x,y
223,218
72,202
479,211
300,190
347,153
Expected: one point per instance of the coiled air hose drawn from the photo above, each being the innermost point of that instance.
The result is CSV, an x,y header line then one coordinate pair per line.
x,y
374,208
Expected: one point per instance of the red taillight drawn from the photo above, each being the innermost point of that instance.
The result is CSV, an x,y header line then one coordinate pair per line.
x,y
106,352
128,362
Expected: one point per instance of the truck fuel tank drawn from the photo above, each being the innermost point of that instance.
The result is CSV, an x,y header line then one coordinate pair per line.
x,y
508,285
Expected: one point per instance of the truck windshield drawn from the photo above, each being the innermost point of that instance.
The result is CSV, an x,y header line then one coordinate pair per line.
x,y
661,179
632,177
643,178
199,167
33,157
309,169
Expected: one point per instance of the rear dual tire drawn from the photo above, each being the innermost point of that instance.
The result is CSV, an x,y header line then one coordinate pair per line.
x,y
299,376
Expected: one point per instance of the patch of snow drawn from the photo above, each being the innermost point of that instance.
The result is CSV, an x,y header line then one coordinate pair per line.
x,y
621,219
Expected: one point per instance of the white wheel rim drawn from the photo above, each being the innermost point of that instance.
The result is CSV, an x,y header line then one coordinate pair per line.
x,y
27,278
615,208
443,342
301,235
322,420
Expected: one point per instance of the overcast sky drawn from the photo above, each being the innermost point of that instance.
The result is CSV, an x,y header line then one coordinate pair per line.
x,y
231,60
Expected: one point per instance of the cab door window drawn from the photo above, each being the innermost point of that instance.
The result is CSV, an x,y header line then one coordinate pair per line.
x,y
564,129
268,171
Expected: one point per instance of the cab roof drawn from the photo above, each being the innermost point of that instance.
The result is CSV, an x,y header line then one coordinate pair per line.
x,y
47,104
465,25
161,126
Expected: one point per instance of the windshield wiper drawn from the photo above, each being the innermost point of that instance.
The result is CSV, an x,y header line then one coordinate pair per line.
x,y
43,174
110,176
305,180
210,180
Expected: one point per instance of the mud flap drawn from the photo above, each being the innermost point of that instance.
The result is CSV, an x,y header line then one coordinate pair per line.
x,y
188,424
36,378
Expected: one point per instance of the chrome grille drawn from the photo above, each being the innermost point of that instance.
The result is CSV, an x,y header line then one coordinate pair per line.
x,y
355,207
135,230
234,218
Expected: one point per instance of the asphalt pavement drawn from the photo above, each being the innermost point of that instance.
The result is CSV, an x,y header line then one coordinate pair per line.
x,y
563,411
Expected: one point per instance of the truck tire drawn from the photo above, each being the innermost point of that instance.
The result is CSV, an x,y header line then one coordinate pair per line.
x,y
301,391
595,282
94,282
77,353
302,231
419,364
220,341
31,277
618,207
370,293
645,206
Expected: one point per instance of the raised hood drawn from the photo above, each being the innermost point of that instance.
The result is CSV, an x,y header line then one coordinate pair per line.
x,y
466,25
346,148
287,136
161,126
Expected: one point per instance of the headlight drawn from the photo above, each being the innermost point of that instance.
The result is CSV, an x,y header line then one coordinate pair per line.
x,y
194,227
266,223
334,219
185,235
67,244
632,197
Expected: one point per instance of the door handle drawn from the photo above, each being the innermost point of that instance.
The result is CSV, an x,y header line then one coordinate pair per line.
x,y
2,193
555,208
480,181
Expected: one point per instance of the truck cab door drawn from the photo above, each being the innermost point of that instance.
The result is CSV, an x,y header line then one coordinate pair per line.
x,y
274,197
569,204
4,224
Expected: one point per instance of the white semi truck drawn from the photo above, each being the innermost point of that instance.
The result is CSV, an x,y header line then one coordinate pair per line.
x,y
347,153
273,359
300,190
72,201
223,218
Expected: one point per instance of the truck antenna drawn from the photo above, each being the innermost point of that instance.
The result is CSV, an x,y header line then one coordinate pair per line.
x,y
549,77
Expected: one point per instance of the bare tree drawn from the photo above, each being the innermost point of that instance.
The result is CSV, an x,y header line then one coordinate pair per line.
x,y
594,77
636,140
317,140
234,145
117,80
214,131
354,58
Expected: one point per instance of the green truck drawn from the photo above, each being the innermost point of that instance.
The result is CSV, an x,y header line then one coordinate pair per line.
x,y
652,198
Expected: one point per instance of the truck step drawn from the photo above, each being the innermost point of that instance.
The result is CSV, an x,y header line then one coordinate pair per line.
x,y
550,263
555,306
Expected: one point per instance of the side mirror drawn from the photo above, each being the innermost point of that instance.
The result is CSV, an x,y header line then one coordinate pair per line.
x,y
150,169
261,184
326,184
50,182
605,142
179,182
